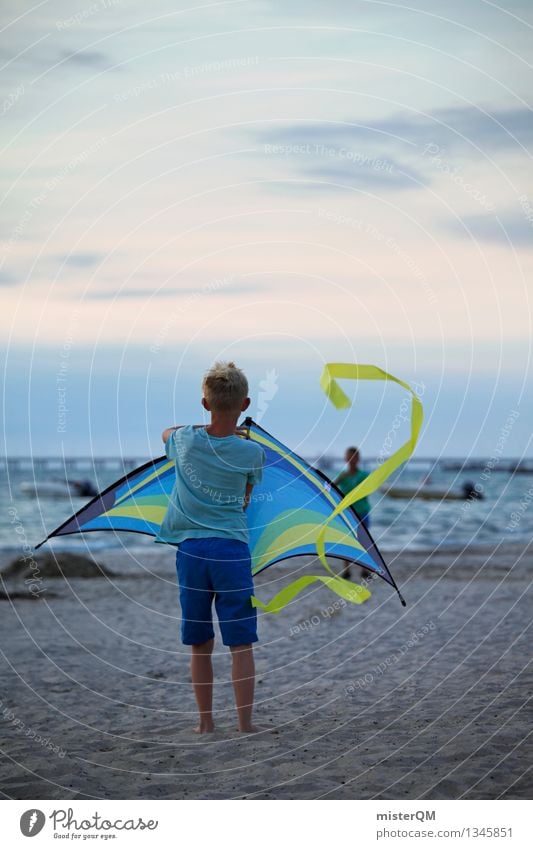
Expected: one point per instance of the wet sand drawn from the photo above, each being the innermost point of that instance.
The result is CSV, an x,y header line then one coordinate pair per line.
x,y
376,701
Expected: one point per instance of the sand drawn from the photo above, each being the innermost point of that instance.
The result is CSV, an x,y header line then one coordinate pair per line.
x,y
377,701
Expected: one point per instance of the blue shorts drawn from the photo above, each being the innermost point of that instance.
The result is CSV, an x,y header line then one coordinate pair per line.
x,y
219,569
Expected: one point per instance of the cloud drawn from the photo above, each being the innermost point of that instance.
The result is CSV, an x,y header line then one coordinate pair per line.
x,y
461,128
47,59
187,293
8,279
509,228
489,130
375,174
86,58
79,260
373,155
338,163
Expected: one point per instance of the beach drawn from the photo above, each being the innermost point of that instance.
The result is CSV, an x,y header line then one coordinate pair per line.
x,y
375,701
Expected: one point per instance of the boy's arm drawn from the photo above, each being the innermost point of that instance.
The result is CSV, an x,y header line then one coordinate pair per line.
x,y
166,433
247,495
255,475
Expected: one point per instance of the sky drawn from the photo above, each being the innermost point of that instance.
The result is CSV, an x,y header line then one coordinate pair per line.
x,y
282,185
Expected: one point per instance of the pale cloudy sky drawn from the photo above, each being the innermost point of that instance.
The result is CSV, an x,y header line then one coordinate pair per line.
x,y
282,184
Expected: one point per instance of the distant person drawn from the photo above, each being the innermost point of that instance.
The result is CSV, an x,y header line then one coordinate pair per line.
x,y
84,488
215,473
470,492
348,479
81,488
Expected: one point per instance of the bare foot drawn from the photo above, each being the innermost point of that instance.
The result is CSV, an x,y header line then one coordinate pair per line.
x,y
205,728
254,729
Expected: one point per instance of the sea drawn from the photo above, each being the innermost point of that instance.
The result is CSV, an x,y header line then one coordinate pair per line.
x,y
504,514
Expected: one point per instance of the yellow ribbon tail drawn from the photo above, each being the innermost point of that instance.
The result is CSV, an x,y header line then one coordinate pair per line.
x,y
337,396
328,381
345,589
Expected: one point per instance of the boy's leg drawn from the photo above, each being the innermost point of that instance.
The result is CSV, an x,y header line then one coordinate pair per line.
x,y
243,676
196,596
232,576
202,682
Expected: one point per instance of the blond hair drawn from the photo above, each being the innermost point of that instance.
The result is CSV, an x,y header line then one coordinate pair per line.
x,y
225,387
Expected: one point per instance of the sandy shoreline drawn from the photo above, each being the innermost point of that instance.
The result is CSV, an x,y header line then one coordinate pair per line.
x,y
376,701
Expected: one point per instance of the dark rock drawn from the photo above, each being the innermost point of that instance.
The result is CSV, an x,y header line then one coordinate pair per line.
x,y
24,595
60,564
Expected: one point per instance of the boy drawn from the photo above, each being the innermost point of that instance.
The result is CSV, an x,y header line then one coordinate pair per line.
x,y
215,473
346,481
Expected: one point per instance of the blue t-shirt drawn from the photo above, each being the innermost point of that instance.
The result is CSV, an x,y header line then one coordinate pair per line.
x,y
211,476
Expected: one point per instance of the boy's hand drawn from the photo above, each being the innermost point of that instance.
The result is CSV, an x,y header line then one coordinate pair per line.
x,y
166,433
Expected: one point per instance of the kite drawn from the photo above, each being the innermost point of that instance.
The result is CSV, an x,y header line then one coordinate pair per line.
x,y
295,510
